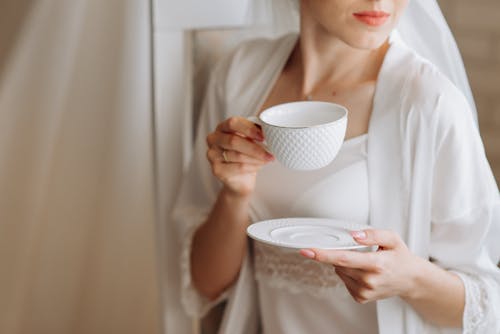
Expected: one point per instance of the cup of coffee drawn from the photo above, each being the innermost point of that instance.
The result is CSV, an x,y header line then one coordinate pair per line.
x,y
304,135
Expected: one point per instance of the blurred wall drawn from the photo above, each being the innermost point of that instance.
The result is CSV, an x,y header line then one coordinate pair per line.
x,y
476,26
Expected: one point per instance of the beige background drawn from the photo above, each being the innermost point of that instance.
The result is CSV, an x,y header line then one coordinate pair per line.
x,y
77,191
476,26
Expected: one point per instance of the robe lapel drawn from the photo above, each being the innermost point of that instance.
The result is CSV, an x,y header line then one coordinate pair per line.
x,y
387,185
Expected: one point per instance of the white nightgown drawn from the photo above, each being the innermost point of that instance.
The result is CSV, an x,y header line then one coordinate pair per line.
x,y
339,191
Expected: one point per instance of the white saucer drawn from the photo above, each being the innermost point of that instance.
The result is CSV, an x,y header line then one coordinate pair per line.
x,y
299,233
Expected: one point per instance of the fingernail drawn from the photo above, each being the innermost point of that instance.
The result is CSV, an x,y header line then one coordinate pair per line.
x,y
269,156
359,234
308,253
257,135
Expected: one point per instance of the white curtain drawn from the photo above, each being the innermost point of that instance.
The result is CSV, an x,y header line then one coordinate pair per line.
x,y
77,180
92,148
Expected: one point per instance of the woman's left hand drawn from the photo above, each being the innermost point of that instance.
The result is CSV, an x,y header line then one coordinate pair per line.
x,y
370,276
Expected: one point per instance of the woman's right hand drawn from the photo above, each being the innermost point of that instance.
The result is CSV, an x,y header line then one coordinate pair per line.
x,y
235,155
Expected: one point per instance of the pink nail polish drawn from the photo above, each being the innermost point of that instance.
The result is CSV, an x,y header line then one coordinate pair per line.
x,y
308,253
358,234
258,136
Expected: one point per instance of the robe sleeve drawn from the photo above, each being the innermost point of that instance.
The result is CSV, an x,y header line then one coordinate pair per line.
x,y
198,192
465,214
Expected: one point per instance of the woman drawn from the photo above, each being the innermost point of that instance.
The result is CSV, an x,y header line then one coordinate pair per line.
x,y
412,167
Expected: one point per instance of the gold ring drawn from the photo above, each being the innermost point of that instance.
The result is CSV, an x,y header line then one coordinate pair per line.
x,y
224,156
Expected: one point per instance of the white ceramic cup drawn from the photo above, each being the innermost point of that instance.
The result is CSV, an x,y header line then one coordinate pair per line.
x,y
304,135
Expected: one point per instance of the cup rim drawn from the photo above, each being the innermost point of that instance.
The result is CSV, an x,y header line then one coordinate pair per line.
x,y
341,107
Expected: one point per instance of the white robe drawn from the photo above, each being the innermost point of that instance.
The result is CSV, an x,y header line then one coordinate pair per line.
x,y
429,181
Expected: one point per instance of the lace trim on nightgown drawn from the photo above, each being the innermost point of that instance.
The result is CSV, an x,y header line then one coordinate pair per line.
x,y
287,269
476,304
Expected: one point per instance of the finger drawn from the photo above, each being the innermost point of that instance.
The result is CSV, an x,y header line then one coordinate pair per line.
x,y
383,238
351,272
242,126
215,155
234,156
343,258
355,289
350,282
360,276
232,142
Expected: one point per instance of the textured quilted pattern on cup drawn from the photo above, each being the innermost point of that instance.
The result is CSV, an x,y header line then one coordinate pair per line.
x,y
306,148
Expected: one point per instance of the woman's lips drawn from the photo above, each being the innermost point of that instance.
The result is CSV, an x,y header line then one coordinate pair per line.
x,y
372,18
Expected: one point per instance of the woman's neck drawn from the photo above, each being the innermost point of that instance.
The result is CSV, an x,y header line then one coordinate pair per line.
x,y
321,59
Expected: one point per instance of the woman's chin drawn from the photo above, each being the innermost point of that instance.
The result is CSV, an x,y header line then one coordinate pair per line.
x,y
367,40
